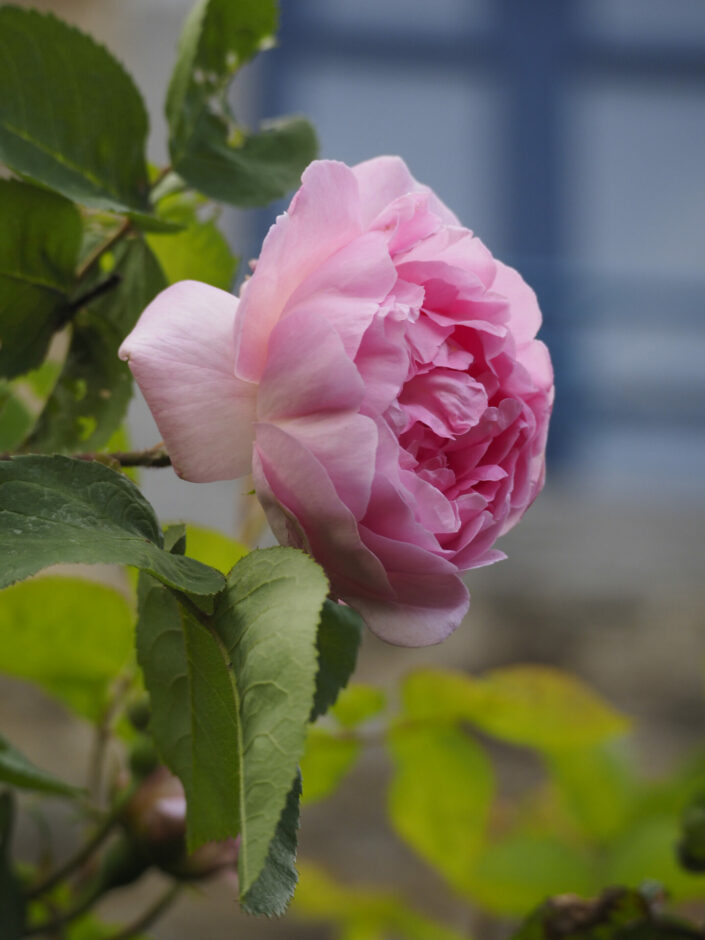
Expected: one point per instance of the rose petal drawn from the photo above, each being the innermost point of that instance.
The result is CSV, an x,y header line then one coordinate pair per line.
x,y
323,217
181,352
307,371
293,485
348,288
384,179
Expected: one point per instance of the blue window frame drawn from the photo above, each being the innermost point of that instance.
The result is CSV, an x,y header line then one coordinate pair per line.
x,y
566,134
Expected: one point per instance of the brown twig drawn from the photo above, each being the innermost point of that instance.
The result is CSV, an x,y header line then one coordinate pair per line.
x,y
153,457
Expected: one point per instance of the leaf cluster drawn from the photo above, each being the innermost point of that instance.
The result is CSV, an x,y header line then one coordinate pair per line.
x,y
89,232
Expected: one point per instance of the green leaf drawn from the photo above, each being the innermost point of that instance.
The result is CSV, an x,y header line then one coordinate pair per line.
x,y
366,912
274,888
17,771
516,873
440,796
339,637
40,236
596,786
71,117
267,620
217,39
199,252
12,905
58,510
194,718
258,169
213,548
69,636
91,396
234,738
648,852
357,704
208,147
691,848
326,761
535,706
15,418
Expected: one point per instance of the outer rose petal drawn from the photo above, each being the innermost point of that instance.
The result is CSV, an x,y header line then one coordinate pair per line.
x,y
427,609
181,353
305,510
323,217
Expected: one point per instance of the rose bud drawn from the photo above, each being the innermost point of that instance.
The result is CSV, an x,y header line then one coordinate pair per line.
x,y
379,376
155,820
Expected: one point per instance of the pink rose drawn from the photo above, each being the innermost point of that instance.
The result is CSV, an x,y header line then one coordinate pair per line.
x,y
379,376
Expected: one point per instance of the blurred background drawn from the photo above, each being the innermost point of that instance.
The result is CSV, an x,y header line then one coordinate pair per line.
x,y
570,136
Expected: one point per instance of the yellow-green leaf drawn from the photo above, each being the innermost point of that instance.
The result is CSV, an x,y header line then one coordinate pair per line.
x,y
440,795
326,761
513,875
357,704
531,705
69,636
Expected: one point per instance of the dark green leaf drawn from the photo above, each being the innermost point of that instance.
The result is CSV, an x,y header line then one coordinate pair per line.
x,y
55,509
339,636
254,170
268,621
218,38
440,795
274,888
194,719
91,396
691,848
15,418
17,771
12,908
209,149
40,236
233,737
70,115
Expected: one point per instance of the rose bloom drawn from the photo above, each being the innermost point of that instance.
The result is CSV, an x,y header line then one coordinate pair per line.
x,y
379,376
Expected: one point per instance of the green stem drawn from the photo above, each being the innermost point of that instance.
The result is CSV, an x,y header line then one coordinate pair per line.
x,y
152,914
74,862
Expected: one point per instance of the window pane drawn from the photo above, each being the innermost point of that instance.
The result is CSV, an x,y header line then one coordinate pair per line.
x,y
441,16
651,20
636,189
445,126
